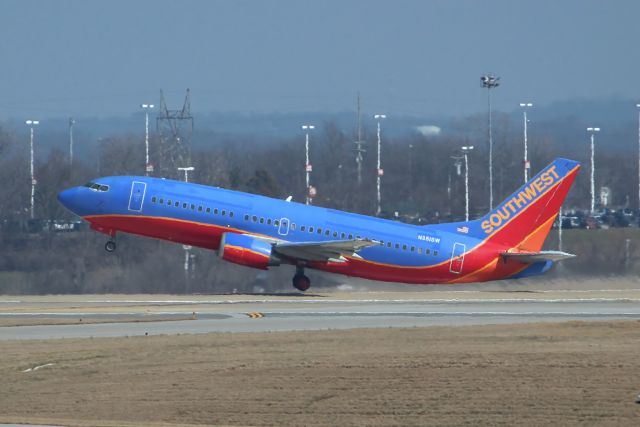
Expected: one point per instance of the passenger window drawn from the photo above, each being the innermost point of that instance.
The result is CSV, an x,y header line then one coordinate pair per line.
x,y
200,208
161,201
388,244
208,210
397,246
177,205
261,220
319,230
404,247
254,218
350,236
276,223
435,253
153,200
419,250
223,212
302,228
184,205
413,248
327,232
293,226
230,214
427,251
268,221
246,217
169,202
335,234
193,207
343,235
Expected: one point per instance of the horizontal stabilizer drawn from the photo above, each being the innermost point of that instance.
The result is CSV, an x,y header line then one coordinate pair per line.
x,y
532,257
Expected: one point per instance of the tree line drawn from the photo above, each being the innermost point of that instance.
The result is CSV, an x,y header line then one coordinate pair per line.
x,y
423,182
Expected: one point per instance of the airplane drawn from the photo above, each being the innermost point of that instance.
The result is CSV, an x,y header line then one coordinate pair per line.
x,y
262,232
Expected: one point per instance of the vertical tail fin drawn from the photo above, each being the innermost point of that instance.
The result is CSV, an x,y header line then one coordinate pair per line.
x,y
524,219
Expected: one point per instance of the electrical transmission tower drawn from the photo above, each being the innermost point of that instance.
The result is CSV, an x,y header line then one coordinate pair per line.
x,y
174,128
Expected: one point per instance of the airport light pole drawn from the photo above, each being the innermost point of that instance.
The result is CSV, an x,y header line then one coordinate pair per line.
x,y
465,152
187,248
490,81
32,124
527,165
379,170
593,131
186,172
71,123
560,229
307,166
146,108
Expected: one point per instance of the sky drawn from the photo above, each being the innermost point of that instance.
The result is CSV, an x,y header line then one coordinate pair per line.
x,y
412,57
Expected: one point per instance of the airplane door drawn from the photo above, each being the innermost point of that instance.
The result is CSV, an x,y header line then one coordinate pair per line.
x,y
283,229
137,196
457,258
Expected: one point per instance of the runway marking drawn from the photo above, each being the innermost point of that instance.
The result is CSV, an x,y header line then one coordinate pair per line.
x,y
255,315
35,368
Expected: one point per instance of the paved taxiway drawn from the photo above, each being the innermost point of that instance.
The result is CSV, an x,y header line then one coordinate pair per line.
x,y
153,315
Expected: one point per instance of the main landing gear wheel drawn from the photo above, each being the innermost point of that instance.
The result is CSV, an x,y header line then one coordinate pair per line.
x,y
110,246
301,282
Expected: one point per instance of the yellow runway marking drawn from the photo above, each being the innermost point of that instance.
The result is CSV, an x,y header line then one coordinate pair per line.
x,y
254,315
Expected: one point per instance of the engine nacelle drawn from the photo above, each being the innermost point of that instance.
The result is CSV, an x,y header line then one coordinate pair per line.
x,y
246,250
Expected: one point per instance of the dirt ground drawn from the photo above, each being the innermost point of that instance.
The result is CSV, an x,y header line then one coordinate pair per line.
x,y
573,373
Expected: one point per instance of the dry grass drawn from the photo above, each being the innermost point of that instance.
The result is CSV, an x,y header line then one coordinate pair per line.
x,y
575,373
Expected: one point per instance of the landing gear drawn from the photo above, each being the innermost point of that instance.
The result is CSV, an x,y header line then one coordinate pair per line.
x,y
110,246
300,281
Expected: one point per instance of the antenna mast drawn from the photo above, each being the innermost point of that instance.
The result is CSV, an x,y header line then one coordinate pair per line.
x,y
359,143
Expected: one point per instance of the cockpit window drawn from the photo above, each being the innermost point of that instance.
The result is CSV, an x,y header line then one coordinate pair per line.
x,y
96,187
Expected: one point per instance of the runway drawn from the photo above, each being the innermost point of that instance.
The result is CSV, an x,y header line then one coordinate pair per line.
x,y
57,317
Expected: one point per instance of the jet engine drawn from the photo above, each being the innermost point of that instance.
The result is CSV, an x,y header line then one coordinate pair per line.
x,y
247,250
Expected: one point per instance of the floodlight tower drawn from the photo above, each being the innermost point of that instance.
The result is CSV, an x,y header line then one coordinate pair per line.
x,y
71,123
307,166
379,170
527,164
147,167
490,81
32,124
465,152
593,131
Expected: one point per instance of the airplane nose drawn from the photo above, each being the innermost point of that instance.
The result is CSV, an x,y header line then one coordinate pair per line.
x,y
67,198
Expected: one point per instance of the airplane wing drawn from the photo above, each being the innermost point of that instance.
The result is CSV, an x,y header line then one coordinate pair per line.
x,y
531,257
322,251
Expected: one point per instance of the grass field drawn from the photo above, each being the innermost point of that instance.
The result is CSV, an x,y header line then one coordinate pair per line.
x,y
574,373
